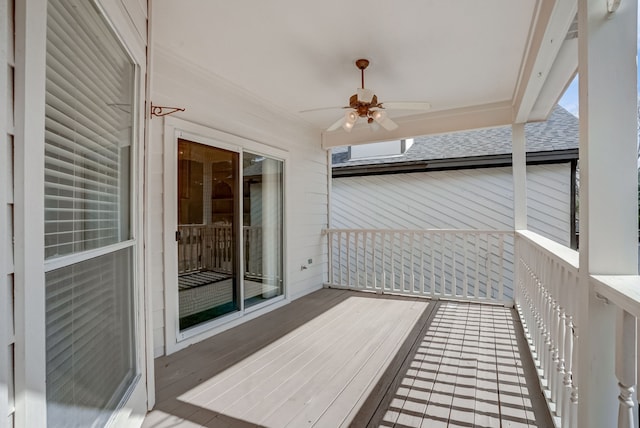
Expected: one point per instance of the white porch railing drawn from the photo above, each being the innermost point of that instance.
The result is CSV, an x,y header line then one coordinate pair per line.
x,y
457,264
202,247
547,295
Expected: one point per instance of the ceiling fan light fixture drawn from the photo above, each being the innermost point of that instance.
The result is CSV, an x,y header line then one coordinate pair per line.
x,y
350,119
379,115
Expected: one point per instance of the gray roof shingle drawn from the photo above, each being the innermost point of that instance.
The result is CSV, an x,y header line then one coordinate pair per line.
x,y
559,132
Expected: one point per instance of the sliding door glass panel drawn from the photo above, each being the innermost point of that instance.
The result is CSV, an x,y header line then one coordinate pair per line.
x,y
207,222
262,225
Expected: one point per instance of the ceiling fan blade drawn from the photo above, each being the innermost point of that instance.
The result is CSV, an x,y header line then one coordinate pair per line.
x,y
382,118
406,106
322,108
337,124
388,124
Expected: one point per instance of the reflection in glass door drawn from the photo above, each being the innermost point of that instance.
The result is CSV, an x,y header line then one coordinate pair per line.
x,y
262,187
207,250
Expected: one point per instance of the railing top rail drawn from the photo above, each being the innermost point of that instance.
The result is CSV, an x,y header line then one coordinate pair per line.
x,y
566,255
622,290
466,231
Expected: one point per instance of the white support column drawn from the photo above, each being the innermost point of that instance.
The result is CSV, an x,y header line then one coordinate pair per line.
x,y
608,185
519,165
30,359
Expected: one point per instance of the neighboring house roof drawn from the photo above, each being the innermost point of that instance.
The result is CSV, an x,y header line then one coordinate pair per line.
x,y
554,140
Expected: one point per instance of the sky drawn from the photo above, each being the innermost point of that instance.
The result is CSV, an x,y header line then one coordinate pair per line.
x,y
570,98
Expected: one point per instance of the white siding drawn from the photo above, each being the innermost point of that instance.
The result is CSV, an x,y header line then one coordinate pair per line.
x,y
7,62
464,199
215,104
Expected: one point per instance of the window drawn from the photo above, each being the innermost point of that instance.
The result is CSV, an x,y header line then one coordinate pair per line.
x,y
89,123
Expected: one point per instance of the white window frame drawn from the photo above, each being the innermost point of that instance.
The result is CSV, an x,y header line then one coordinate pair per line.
x,y
6,198
174,129
30,266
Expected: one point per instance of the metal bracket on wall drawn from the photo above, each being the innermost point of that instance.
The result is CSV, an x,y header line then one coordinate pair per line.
x,y
159,111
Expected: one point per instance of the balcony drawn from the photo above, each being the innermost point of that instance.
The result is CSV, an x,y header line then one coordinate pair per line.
x,y
421,328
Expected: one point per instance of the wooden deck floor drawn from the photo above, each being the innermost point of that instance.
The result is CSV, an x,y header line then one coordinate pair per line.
x,y
340,358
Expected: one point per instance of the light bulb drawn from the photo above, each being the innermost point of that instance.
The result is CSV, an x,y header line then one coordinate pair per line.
x,y
350,119
378,115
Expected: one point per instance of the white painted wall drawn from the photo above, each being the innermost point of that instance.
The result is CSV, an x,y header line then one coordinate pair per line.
x,y
213,103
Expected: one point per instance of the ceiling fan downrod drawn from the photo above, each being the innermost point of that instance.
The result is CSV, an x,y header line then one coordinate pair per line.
x,y
362,64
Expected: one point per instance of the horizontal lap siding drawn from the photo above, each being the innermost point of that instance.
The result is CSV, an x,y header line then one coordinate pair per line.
x,y
216,104
548,194
463,199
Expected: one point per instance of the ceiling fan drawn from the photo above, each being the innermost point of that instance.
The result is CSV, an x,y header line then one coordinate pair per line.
x,y
364,104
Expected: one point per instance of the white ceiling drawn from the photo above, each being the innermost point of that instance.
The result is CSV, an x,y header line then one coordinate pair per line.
x,y
300,55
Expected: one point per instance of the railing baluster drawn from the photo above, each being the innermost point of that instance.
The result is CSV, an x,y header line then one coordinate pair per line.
x,y
625,366
573,410
433,265
465,286
403,277
487,268
348,237
501,273
373,259
476,287
384,270
392,260
443,277
422,249
330,250
454,277
412,240
340,257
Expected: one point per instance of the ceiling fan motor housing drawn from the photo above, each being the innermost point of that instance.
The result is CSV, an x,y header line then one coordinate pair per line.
x,y
362,108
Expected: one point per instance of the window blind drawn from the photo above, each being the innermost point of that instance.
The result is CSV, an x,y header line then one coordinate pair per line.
x,y
89,322
88,131
90,341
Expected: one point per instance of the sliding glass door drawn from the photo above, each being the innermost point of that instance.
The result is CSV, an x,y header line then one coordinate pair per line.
x,y
230,220
208,203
